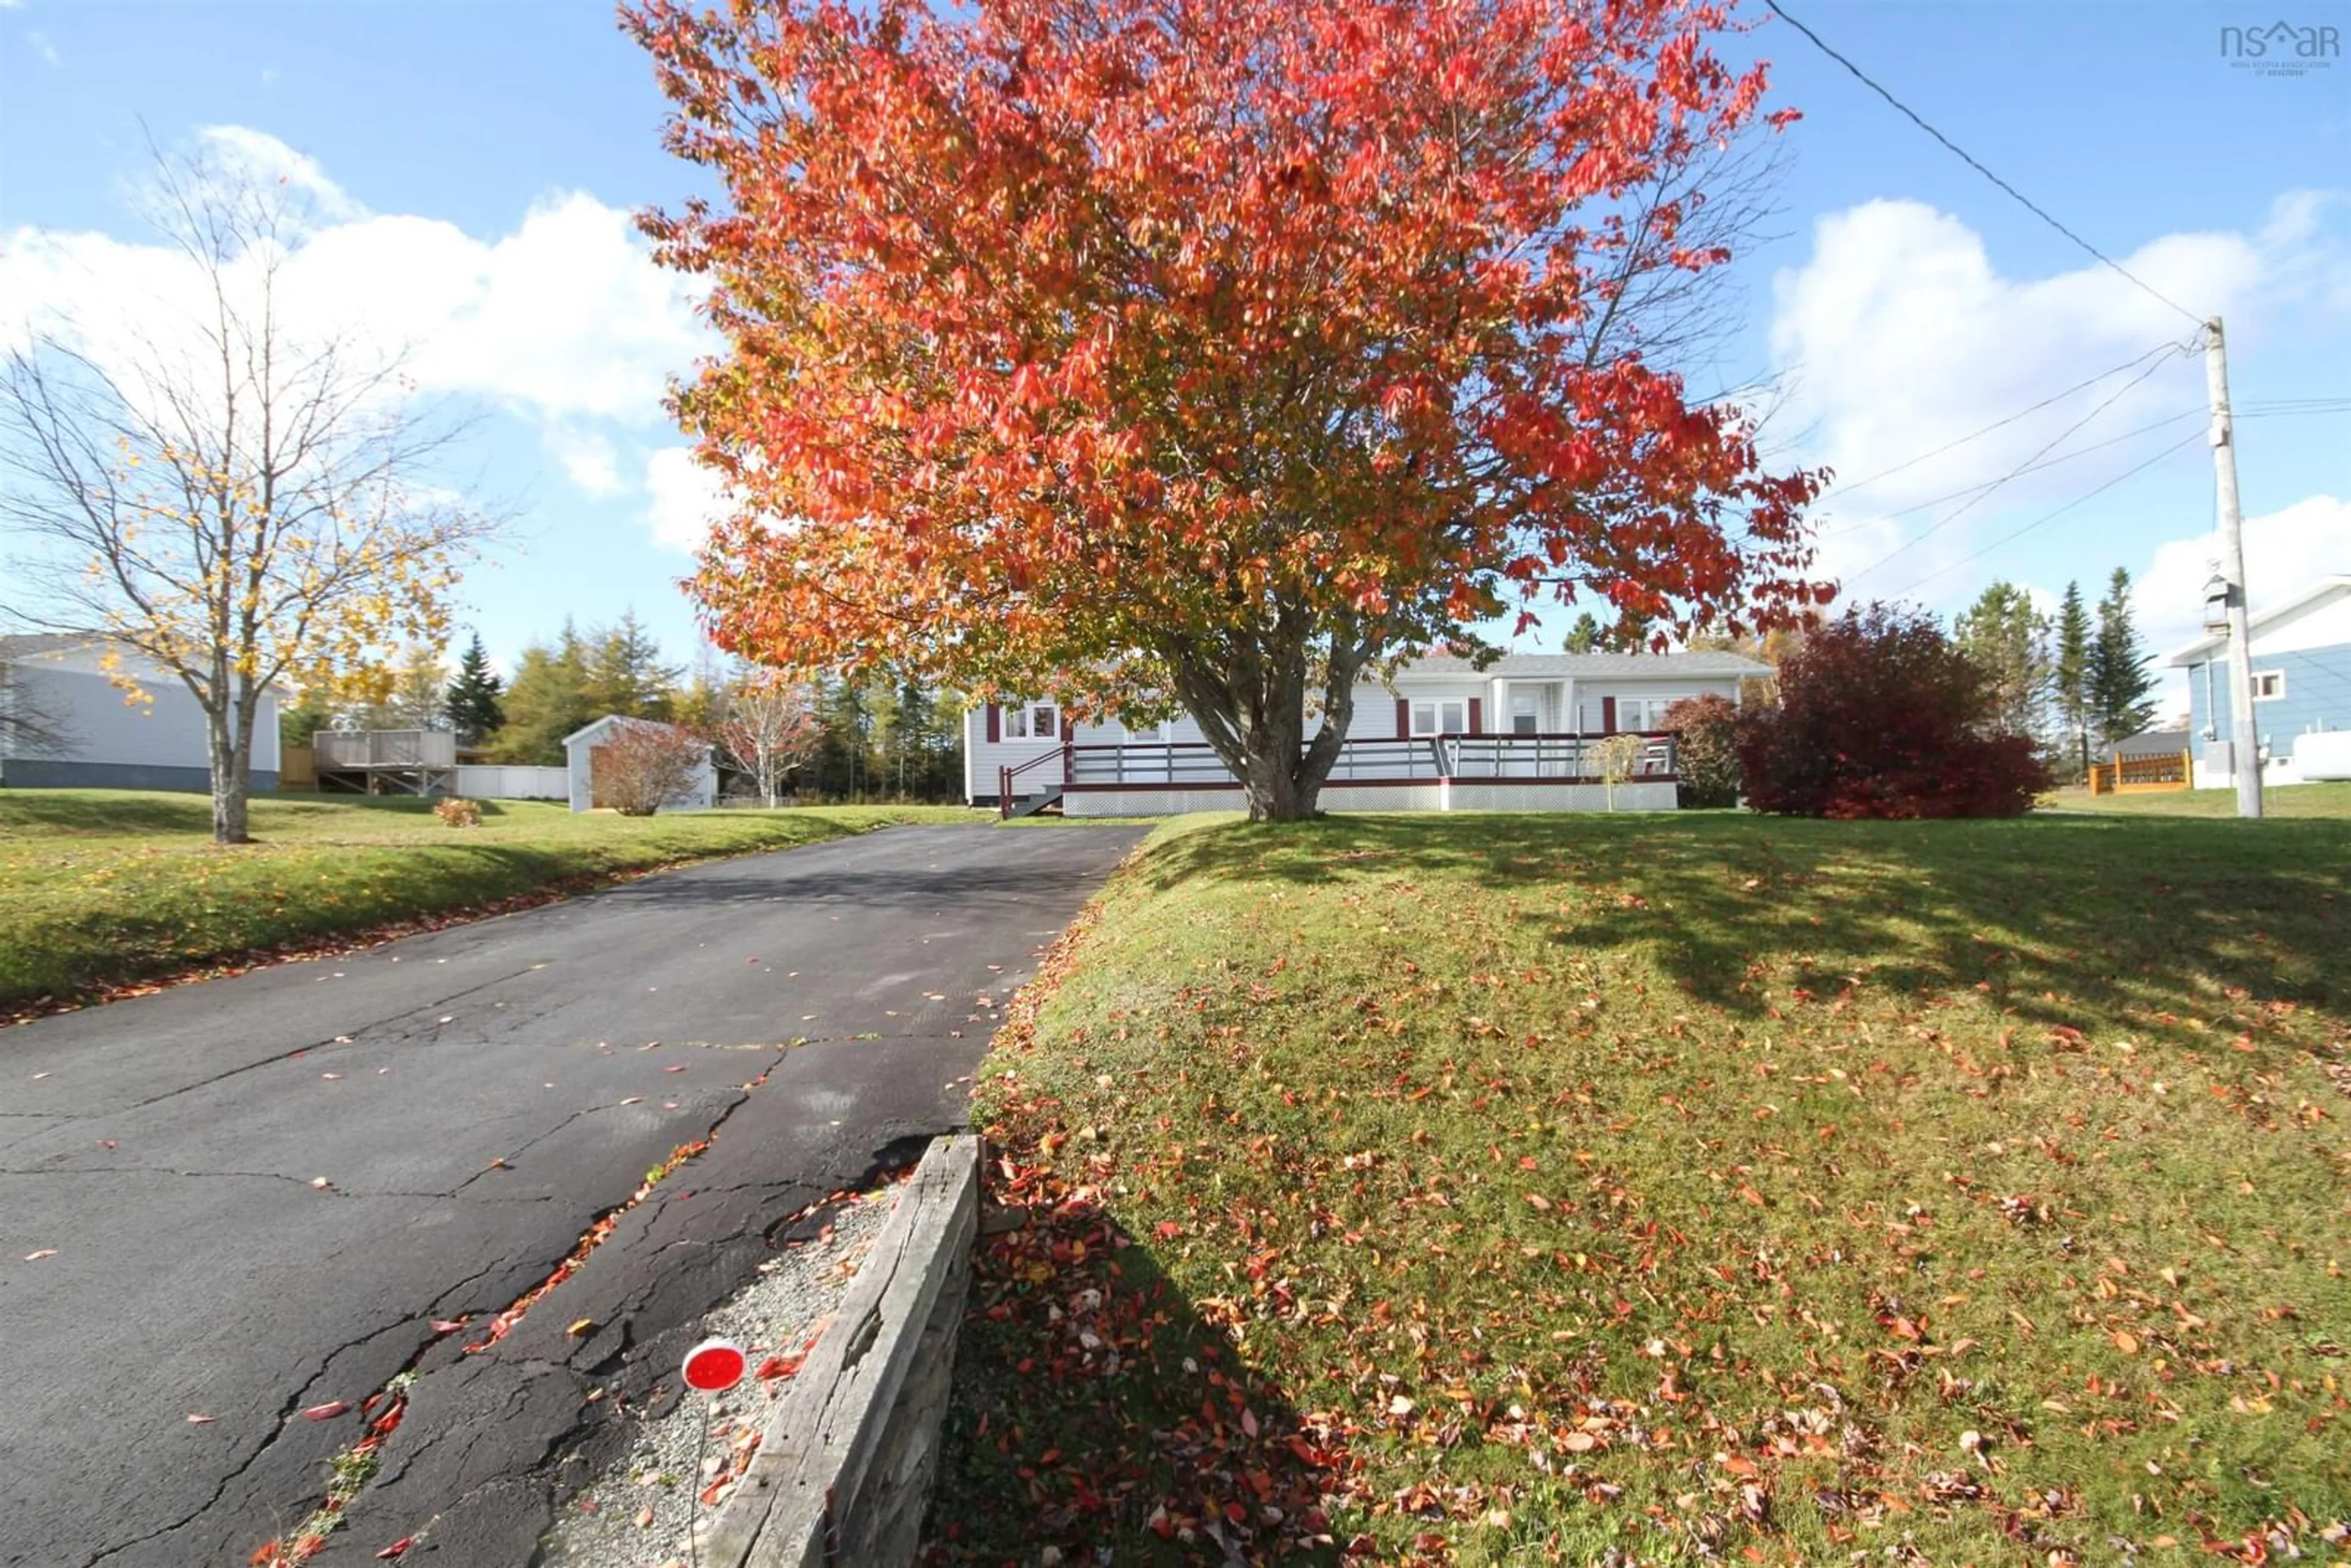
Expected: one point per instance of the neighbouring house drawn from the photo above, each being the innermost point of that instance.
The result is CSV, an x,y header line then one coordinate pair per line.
x,y
108,738
1520,734
2302,691
580,751
2153,743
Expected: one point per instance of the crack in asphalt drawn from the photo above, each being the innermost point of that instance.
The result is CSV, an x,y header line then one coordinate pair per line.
x,y
285,1413
530,1369
326,1044
331,1190
294,1401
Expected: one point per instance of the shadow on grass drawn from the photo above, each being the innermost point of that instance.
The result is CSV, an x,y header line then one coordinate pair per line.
x,y
108,813
2048,916
1097,1412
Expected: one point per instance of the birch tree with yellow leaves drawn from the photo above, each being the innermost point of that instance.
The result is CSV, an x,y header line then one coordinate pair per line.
x,y
228,485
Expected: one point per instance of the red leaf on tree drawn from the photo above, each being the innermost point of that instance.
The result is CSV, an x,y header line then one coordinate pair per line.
x,y
1076,382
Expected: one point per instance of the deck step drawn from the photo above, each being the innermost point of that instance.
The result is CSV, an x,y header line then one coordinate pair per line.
x,y
1030,805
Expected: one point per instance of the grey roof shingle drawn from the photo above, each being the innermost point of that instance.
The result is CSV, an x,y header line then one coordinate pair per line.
x,y
1592,665
23,644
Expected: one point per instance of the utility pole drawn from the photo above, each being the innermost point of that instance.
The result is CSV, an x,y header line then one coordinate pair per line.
x,y
2245,751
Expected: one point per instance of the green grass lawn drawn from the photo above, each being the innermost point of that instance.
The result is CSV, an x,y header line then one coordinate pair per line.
x,y
104,888
2330,800
1676,1188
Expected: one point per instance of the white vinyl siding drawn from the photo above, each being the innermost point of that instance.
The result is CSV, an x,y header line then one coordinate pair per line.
x,y
161,727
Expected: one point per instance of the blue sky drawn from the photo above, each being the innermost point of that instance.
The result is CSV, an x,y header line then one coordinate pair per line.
x,y
495,149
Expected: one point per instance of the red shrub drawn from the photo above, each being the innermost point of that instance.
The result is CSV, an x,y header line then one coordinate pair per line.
x,y
1706,749
1881,716
647,766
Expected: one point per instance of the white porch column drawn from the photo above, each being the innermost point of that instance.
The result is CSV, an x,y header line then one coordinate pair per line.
x,y
1498,702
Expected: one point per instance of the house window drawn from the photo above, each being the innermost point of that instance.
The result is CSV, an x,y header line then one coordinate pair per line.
x,y
1449,717
2268,686
1643,713
1032,721
1526,714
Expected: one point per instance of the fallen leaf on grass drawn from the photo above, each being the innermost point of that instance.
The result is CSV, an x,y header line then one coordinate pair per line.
x,y
2125,1341
328,1411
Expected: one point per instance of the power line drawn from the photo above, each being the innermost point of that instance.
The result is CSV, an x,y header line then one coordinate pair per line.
x,y
1955,513
2023,201
1843,490
2062,457
2193,436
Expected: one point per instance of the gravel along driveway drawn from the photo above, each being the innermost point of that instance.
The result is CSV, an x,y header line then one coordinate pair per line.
x,y
689,1450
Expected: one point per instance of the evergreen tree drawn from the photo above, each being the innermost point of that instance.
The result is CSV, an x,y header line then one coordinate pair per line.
x,y
298,722
845,768
2119,678
473,697
2070,677
546,700
1583,637
701,706
625,673
2008,640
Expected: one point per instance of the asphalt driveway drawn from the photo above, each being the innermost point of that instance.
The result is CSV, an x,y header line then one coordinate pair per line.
x,y
259,1196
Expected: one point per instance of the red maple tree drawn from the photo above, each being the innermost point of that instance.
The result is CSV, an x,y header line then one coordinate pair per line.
x,y
1207,352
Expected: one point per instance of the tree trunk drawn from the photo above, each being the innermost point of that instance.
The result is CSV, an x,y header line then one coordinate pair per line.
x,y
1258,729
228,754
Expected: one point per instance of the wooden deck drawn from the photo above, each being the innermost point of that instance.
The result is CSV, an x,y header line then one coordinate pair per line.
x,y
1177,766
385,762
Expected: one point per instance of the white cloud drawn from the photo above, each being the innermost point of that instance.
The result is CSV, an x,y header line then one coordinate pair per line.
x,y
1901,336
256,155
590,461
46,49
565,318
683,498
2286,551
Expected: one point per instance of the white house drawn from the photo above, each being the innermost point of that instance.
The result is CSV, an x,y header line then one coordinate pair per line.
x,y
579,749
2302,691
111,738
1444,734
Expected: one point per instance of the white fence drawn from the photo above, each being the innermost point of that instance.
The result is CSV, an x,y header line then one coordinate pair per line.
x,y
506,782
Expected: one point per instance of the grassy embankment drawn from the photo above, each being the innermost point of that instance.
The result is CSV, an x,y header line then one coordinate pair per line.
x,y
1660,1189
104,889
2330,800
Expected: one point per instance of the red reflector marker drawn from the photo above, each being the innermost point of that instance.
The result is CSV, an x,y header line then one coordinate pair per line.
x,y
714,1366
